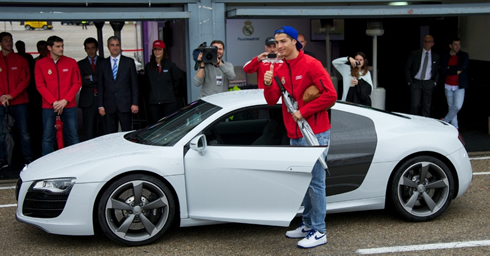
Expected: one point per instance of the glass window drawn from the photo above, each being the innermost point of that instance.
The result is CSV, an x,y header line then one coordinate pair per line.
x,y
168,130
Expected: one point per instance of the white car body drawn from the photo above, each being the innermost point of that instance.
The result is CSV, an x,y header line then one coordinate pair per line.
x,y
243,184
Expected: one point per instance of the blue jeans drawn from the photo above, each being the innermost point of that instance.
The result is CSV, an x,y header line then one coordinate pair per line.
x,y
19,113
454,102
315,201
70,128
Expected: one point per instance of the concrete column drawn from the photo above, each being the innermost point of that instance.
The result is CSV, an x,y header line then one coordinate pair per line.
x,y
117,27
100,37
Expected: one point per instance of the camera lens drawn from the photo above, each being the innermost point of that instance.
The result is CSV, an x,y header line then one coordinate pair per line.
x,y
209,56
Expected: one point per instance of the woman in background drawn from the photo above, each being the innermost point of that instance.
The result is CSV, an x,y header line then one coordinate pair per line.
x,y
357,78
162,76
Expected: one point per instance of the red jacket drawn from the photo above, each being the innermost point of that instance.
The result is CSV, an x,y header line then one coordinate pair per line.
x,y
260,67
14,77
297,75
58,81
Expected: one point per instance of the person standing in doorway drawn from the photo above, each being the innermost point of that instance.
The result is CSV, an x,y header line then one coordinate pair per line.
x,y
117,89
454,69
163,78
422,73
88,100
58,81
303,42
300,72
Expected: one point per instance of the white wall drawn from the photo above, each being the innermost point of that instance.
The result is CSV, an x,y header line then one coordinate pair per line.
x,y
475,37
241,48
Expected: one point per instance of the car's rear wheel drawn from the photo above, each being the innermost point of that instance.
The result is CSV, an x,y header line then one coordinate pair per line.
x,y
45,27
136,210
422,188
28,27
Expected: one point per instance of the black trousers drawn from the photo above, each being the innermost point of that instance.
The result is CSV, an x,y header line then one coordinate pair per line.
x,y
421,97
157,111
90,119
111,122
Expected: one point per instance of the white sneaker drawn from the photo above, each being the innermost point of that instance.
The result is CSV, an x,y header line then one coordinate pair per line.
x,y
300,232
313,239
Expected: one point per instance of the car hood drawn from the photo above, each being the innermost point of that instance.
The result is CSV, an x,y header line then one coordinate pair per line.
x,y
68,160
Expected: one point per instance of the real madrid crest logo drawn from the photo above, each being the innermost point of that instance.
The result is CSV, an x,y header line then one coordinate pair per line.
x,y
248,29
50,72
283,81
0,69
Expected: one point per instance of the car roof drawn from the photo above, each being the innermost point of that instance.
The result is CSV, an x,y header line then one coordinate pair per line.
x,y
237,99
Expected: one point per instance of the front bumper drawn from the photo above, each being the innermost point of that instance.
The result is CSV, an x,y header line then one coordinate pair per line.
x,y
76,217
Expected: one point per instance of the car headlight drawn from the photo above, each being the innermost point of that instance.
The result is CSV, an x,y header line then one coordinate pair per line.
x,y
54,186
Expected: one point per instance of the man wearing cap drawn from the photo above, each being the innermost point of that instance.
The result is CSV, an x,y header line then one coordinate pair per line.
x,y
88,100
299,72
117,89
162,77
214,78
261,63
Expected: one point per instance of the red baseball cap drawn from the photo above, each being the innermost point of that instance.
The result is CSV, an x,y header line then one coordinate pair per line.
x,y
158,44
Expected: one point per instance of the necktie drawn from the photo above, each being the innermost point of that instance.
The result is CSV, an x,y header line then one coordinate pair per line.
x,y
93,64
424,66
114,69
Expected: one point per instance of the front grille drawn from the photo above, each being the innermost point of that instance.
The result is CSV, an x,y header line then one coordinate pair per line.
x,y
43,205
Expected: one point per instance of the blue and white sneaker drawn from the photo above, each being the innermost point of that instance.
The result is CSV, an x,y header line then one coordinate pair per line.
x,y
300,232
313,239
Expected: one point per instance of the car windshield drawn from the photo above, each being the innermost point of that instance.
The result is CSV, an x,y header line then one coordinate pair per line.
x,y
168,130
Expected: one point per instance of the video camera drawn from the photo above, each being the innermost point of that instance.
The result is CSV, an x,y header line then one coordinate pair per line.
x,y
209,54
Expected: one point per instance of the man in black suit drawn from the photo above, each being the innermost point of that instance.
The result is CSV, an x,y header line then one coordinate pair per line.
x,y
422,73
117,89
88,101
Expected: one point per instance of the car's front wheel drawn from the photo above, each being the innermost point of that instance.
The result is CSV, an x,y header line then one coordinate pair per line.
x,y
28,27
45,27
422,188
136,210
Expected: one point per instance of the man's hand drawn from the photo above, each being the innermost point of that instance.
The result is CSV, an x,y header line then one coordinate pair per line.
x,y
59,105
102,111
5,99
134,109
459,72
297,116
262,56
268,76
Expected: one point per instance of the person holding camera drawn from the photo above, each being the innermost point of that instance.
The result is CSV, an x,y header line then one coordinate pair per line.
x,y
358,84
262,62
214,77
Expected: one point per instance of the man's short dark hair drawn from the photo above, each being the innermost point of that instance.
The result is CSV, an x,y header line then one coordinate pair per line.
x,y
52,39
218,42
454,39
41,43
20,46
91,40
113,38
4,34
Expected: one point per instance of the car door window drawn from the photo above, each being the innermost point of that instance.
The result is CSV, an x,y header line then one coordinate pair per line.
x,y
258,126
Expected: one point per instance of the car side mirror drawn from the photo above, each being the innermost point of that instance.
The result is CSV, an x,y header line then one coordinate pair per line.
x,y
199,144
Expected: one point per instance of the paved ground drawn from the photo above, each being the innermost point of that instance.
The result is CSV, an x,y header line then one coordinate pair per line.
x,y
466,220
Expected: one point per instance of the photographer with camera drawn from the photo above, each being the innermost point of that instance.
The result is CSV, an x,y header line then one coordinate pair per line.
x,y
263,61
357,78
214,73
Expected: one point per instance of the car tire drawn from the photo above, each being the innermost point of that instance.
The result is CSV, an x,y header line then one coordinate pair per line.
x,y
422,188
45,27
132,222
28,27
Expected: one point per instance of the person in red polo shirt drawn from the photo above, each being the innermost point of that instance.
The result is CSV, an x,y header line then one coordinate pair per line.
x,y
58,81
14,79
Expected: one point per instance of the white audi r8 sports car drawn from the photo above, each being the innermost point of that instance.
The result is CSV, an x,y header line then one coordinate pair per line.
x,y
226,158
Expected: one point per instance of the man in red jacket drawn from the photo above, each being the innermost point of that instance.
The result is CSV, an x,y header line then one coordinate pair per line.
x,y
14,79
261,63
299,72
58,81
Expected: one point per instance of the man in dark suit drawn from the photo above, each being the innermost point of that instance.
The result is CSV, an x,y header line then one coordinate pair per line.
x,y
422,73
88,101
117,89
